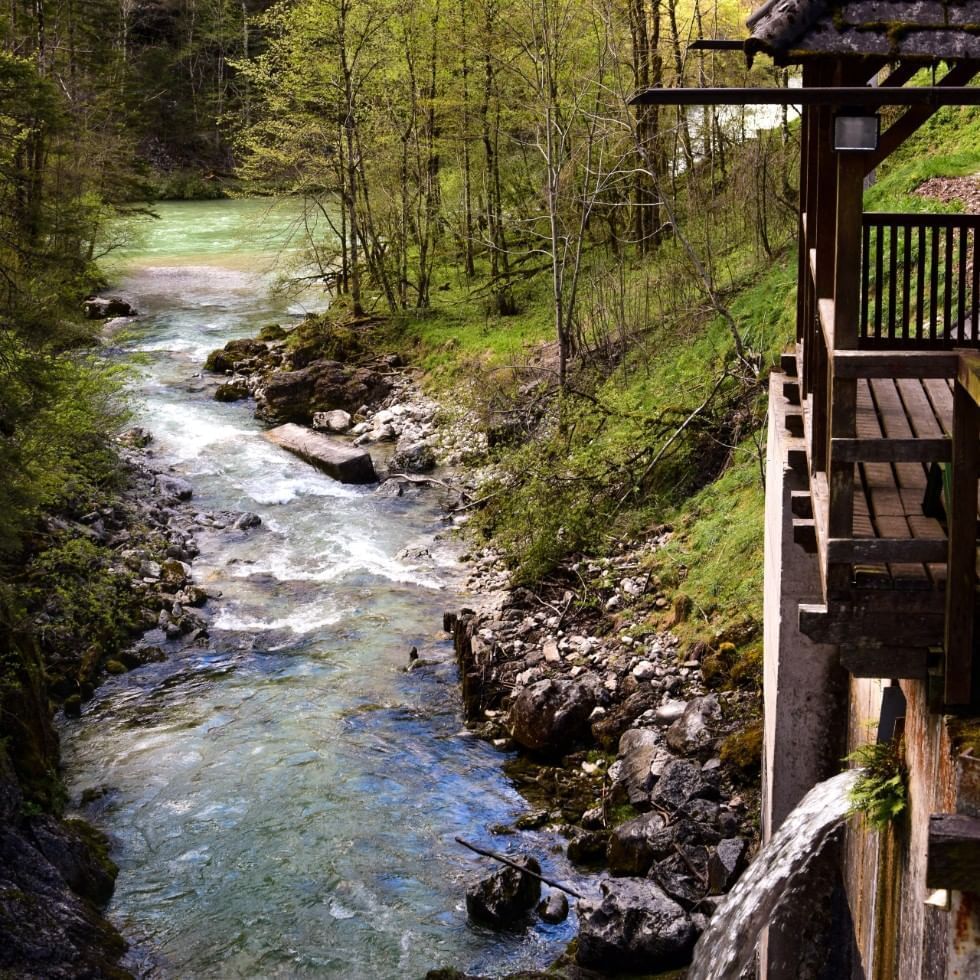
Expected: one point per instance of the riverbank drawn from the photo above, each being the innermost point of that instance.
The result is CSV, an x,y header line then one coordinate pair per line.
x,y
103,592
633,742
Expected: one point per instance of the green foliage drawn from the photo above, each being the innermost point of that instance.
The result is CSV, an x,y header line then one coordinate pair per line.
x,y
880,793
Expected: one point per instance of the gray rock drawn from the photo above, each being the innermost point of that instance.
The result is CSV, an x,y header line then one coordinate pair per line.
x,y
669,712
173,574
588,847
505,895
336,459
553,907
631,849
635,927
391,488
247,521
231,391
417,457
174,486
678,884
681,781
726,864
638,748
644,671
551,715
336,421
694,729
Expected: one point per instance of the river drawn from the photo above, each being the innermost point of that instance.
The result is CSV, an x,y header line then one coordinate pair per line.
x,y
283,802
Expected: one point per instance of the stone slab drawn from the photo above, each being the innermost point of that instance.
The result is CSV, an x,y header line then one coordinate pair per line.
x,y
335,458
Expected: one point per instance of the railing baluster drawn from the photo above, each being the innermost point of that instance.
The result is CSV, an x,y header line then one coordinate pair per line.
x,y
920,287
934,285
906,280
948,284
975,303
879,279
964,237
865,272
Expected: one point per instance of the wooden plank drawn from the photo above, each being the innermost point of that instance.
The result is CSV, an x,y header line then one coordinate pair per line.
x,y
941,397
850,550
919,409
895,425
961,657
895,363
953,855
886,662
892,450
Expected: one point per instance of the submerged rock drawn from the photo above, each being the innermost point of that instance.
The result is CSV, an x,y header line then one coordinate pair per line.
x,y
505,895
553,907
635,926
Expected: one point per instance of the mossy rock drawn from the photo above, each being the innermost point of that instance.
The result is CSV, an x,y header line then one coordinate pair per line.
x,y
272,332
742,751
115,667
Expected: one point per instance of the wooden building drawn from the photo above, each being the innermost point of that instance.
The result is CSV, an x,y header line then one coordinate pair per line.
x,y
872,504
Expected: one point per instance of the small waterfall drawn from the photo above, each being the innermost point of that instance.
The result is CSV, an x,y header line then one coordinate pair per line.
x,y
728,944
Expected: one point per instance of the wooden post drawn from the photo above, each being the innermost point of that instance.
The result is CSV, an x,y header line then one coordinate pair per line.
x,y
962,666
843,405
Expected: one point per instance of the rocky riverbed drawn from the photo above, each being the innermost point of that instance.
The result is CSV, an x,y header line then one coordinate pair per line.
x,y
619,734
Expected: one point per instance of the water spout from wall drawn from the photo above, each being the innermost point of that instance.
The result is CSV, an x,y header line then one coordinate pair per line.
x,y
728,944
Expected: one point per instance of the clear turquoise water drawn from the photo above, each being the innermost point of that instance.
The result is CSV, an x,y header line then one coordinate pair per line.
x,y
283,804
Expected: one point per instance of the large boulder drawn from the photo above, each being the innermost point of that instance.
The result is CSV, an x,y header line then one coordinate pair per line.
x,y
634,927
694,730
335,458
505,895
336,421
286,397
232,354
635,844
550,715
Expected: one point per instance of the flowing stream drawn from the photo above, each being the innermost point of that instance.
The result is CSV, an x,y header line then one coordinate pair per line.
x,y
283,803
728,944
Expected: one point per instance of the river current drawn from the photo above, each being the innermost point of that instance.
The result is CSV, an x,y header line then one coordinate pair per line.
x,y
283,802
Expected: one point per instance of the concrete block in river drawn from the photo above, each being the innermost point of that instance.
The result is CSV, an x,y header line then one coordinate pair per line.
x,y
337,459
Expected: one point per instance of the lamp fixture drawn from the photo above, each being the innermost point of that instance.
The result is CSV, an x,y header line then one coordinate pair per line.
x,y
857,132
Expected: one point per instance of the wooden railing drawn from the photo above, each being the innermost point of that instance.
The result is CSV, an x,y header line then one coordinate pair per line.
x,y
920,281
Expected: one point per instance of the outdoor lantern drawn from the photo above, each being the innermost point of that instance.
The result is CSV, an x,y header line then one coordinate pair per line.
x,y
857,132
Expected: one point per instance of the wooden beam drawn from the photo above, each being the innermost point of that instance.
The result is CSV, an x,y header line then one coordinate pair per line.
x,y
857,626
805,534
911,120
960,684
887,550
892,450
895,364
968,375
953,857
904,663
858,96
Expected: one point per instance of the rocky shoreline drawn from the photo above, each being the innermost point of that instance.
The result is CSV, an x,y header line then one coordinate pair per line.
x,y
619,734
55,871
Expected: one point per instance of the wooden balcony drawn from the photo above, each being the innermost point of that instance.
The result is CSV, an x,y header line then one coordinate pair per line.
x,y
889,385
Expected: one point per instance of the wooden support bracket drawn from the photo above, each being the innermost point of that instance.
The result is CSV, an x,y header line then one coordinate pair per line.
x,y
794,424
787,363
886,662
892,450
953,860
887,550
791,392
873,624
